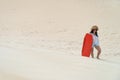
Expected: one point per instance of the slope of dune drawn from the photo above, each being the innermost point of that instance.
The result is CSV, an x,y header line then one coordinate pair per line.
x,y
42,39
32,64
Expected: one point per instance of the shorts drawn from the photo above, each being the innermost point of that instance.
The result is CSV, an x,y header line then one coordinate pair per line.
x,y
95,44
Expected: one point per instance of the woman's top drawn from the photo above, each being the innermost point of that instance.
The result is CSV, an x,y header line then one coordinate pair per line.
x,y
95,40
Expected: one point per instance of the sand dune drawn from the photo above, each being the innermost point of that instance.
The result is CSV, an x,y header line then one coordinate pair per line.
x,y
45,64
42,39
4,76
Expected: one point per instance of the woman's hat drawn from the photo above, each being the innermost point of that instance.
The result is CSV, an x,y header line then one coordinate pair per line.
x,y
94,27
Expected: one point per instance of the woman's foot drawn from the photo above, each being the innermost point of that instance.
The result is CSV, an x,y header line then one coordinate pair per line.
x,y
92,56
98,58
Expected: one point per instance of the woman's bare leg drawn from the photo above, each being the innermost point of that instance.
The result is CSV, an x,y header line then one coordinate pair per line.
x,y
92,55
99,51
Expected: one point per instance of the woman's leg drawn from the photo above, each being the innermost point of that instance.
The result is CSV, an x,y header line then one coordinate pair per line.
x,y
92,55
99,51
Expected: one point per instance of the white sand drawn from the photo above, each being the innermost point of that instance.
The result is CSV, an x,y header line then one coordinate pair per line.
x,y
48,65
42,39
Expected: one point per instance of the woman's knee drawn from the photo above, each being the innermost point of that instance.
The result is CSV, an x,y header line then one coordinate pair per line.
x,y
98,49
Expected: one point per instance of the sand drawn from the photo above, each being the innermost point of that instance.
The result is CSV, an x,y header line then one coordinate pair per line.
x,y
42,39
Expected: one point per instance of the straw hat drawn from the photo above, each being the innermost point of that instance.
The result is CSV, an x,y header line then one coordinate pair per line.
x,y
94,27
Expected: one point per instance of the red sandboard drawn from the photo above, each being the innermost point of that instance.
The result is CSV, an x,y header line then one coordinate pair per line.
x,y
87,45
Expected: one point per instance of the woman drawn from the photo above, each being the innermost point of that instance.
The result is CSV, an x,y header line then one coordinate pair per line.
x,y
95,44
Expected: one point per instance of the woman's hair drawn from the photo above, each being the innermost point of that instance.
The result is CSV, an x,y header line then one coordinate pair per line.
x,y
95,32
94,27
